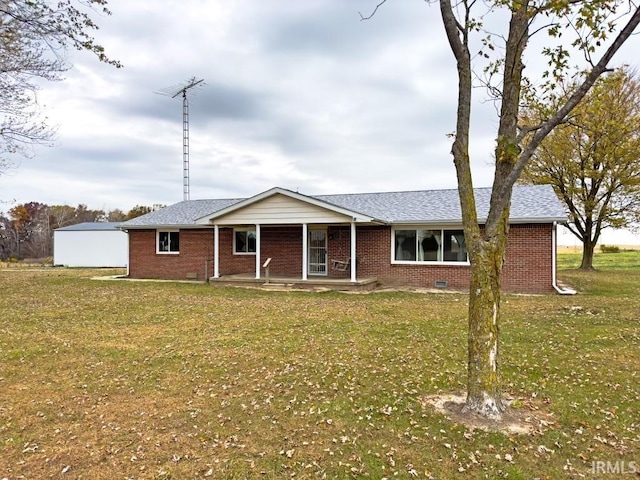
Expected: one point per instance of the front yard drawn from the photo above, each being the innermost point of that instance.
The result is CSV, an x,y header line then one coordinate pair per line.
x,y
118,380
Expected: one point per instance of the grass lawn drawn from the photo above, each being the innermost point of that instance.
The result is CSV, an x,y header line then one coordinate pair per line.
x,y
141,380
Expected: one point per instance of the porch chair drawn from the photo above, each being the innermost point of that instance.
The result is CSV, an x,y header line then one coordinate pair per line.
x,y
341,265
344,265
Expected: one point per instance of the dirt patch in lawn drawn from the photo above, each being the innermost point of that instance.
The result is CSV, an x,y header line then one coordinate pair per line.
x,y
524,420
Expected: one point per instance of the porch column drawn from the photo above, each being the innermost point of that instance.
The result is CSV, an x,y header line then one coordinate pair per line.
x,y
258,251
305,250
216,251
353,252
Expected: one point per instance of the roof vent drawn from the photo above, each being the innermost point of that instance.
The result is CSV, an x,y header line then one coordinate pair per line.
x,y
441,284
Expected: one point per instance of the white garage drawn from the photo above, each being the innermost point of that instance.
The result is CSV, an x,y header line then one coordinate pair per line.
x,y
90,244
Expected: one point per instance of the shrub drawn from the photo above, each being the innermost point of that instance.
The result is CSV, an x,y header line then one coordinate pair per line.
x,y
609,249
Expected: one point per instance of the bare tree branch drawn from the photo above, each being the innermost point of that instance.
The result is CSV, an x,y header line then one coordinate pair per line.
x,y
362,17
34,35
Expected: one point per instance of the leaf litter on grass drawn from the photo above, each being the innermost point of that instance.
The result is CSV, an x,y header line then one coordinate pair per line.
x,y
146,380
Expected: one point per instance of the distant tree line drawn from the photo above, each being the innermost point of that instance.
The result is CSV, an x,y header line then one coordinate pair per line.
x,y
26,230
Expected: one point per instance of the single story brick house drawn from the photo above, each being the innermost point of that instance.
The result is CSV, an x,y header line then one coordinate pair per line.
x,y
410,238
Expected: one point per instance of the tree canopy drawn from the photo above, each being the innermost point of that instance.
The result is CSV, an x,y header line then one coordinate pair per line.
x,y
34,36
593,158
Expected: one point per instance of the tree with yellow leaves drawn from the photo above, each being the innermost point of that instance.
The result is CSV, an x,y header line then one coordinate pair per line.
x,y
593,158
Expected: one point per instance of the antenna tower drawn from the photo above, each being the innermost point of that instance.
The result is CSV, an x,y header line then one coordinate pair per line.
x,y
173,92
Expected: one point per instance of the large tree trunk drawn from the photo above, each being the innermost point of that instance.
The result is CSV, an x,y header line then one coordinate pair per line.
x,y
484,389
588,248
589,241
487,251
487,248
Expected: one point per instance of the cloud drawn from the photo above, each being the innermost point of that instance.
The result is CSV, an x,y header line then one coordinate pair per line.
x,y
302,95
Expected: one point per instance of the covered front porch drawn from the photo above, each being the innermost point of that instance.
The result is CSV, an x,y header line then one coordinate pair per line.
x,y
306,252
302,240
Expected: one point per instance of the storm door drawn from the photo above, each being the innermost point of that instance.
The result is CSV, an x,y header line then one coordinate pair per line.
x,y
317,252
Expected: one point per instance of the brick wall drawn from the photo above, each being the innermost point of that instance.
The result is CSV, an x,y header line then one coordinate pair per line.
x,y
527,267
231,264
196,247
282,244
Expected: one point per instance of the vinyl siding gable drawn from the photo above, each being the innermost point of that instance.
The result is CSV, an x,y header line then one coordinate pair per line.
x,y
280,209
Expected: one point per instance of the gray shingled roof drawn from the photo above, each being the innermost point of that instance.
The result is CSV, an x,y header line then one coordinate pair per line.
x,y
429,206
182,213
529,203
90,226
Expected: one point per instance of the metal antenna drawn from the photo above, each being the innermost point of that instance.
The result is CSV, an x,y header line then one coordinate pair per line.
x,y
173,92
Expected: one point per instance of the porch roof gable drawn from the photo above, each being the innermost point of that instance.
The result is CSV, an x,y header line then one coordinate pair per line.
x,y
282,206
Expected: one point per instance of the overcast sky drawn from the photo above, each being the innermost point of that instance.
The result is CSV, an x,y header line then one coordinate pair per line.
x,y
301,95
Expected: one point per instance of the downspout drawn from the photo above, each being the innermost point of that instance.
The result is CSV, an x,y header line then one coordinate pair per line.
x,y
554,246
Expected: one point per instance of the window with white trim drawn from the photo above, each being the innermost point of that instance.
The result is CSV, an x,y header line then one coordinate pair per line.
x,y
429,245
168,241
244,242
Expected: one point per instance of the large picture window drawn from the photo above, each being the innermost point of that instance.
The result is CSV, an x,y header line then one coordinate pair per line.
x,y
244,241
168,242
421,245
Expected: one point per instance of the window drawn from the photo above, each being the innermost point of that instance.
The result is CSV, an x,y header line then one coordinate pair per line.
x,y
168,242
418,245
244,241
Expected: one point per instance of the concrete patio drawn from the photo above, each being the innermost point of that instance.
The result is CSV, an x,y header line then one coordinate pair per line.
x,y
312,283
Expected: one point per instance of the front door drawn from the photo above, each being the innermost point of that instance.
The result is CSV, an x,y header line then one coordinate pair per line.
x,y
317,252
